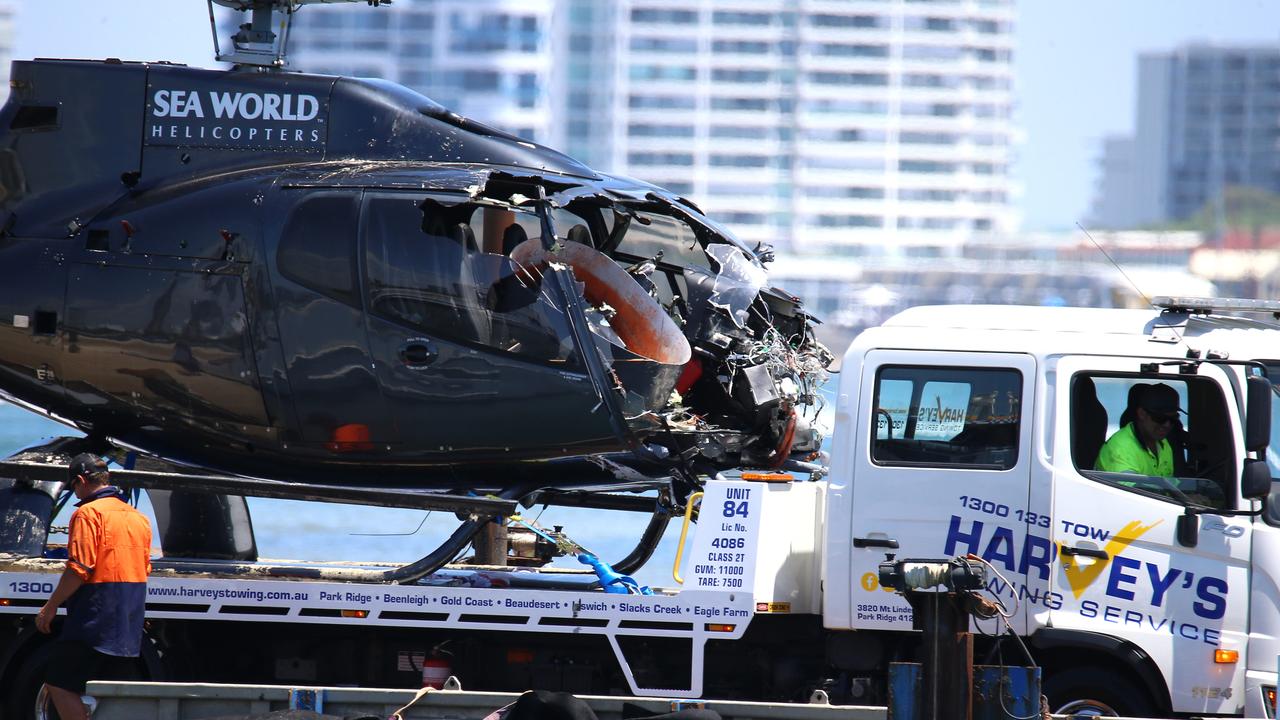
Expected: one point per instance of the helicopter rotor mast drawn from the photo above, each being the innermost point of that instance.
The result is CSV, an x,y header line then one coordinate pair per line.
x,y
256,44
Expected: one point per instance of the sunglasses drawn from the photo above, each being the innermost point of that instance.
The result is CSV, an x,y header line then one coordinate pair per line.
x,y
1164,419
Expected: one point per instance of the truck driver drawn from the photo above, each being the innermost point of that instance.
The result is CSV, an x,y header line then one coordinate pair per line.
x,y
1142,446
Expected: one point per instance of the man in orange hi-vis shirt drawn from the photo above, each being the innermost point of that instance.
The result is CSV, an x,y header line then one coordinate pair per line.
x,y
104,586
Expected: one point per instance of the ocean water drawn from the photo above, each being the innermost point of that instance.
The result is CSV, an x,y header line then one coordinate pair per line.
x,y
295,530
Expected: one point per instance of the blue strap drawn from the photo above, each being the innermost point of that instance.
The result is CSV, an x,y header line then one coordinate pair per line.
x,y
610,580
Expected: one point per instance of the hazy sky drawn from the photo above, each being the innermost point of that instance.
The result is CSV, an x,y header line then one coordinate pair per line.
x,y
1076,63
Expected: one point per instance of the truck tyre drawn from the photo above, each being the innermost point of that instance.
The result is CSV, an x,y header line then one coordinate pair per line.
x,y
22,702
1096,692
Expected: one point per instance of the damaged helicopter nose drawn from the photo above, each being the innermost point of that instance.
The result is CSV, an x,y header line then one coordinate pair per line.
x,y
638,321
732,364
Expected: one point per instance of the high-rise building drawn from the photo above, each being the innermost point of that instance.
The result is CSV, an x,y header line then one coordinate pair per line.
x,y
1207,118
1114,202
821,126
491,60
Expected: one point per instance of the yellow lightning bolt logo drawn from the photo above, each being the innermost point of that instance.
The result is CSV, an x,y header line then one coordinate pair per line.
x,y
1080,577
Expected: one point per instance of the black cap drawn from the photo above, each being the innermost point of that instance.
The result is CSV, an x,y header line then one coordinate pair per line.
x,y
86,464
1160,401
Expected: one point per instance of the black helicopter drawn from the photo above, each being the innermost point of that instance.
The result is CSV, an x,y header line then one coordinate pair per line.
x,y
327,279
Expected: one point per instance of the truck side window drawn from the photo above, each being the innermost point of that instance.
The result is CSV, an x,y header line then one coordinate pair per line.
x,y
946,416
1199,464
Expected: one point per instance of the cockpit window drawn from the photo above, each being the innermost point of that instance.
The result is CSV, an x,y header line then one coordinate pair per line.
x,y
650,233
446,270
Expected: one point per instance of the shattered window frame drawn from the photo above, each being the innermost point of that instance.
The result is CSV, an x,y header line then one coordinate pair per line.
x,y
480,297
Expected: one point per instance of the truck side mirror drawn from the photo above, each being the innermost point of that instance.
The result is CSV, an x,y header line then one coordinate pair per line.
x,y
1257,422
1255,481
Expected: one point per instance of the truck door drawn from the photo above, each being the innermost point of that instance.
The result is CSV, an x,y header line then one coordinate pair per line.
x,y
1121,570
941,470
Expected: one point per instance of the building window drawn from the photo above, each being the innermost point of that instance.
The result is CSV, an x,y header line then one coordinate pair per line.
x,y
849,50
480,80
728,17
926,166
849,221
741,132
846,135
733,103
742,218
931,80
932,52
742,75
745,47
662,102
673,73
660,158
722,189
835,162
663,44
928,223
739,161
931,109
653,130
849,78
928,195
838,191
913,137
824,20
663,16
850,107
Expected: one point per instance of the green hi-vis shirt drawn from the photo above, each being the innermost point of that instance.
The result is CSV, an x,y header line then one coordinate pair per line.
x,y
1123,453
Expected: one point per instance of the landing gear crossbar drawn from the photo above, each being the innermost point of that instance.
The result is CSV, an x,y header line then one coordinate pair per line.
x,y
255,487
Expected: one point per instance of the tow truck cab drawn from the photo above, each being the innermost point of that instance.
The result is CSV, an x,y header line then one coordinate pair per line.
x,y
977,430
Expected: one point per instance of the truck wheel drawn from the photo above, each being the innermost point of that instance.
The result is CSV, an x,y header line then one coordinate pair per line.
x,y
22,701
27,702
1096,692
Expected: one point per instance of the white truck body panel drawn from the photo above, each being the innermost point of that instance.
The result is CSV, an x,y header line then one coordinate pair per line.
x,y
1177,604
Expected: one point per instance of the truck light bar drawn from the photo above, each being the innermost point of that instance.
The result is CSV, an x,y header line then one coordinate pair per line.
x,y
1209,304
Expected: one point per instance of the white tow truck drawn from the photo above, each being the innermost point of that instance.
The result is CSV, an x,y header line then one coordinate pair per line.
x,y
959,430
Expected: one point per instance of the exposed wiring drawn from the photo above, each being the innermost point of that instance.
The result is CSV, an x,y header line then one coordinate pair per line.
x,y
999,602
1004,616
